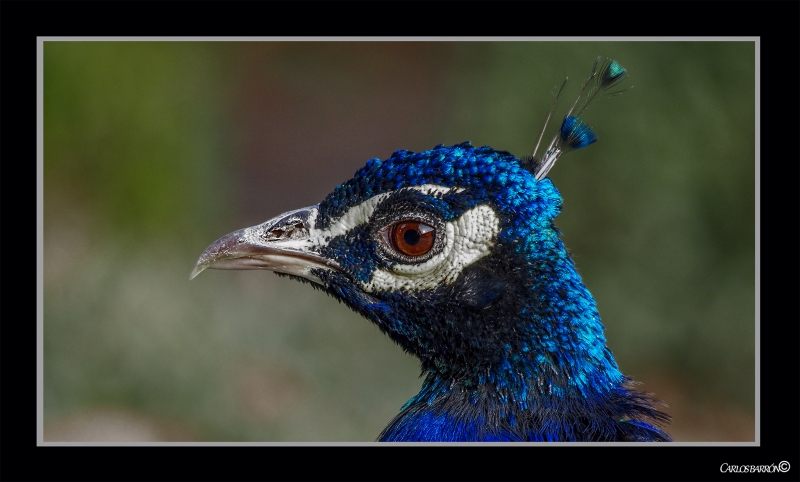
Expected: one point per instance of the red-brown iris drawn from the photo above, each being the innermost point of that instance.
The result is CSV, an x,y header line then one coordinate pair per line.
x,y
412,238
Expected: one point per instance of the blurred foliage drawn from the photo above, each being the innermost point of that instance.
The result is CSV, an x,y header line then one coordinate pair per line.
x,y
133,134
154,149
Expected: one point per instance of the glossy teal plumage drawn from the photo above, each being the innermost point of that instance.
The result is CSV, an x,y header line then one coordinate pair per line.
x,y
509,338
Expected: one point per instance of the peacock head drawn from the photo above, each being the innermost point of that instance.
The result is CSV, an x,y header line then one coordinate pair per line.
x,y
452,252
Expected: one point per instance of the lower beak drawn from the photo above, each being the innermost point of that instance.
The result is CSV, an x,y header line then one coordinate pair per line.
x,y
284,244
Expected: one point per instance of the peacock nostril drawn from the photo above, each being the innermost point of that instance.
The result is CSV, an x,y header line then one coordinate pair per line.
x,y
290,228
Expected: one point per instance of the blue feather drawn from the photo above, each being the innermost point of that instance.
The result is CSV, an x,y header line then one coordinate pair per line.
x,y
453,253
575,134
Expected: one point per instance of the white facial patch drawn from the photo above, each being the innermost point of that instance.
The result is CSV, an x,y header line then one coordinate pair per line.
x,y
360,214
468,239
354,216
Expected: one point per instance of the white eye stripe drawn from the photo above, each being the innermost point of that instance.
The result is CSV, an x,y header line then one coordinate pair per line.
x,y
360,214
469,238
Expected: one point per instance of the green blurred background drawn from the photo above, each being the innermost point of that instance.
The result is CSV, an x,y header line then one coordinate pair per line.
x,y
152,150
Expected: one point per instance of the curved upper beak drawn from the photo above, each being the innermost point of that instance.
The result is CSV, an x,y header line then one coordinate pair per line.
x,y
284,244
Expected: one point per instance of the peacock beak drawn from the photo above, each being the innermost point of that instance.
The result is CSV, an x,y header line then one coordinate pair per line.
x,y
284,244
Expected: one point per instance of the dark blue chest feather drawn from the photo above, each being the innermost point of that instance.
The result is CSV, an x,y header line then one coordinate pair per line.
x,y
476,415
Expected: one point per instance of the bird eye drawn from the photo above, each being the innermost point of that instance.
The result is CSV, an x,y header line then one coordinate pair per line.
x,y
412,238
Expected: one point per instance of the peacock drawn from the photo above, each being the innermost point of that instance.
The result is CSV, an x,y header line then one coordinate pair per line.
x,y
453,253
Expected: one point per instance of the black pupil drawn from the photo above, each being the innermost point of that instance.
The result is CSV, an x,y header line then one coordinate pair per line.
x,y
411,237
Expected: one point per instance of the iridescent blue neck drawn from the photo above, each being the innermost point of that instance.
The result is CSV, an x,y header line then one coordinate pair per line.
x,y
557,369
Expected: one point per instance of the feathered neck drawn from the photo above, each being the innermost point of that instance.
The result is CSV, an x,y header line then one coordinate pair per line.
x,y
452,412
555,380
